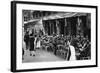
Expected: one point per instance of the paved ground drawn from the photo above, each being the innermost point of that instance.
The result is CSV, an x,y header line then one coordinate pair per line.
x,y
41,56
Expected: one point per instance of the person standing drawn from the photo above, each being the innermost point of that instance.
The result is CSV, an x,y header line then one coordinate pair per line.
x,y
71,52
23,49
26,39
32,50
38,42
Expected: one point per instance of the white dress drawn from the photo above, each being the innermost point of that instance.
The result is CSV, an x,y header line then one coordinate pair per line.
x,y
35,43
38,44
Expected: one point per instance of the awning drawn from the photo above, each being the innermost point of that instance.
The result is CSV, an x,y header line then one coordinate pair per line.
x,y
57,16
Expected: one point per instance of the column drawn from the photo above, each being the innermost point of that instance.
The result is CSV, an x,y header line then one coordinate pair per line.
x,y
65,26
57,27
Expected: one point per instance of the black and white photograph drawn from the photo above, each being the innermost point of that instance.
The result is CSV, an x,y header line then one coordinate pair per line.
x,y
47,36
56,36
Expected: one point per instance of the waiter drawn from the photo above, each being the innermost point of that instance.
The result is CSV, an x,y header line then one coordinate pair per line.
x,y
71,52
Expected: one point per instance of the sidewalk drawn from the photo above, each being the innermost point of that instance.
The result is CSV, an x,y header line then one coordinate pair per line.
x,y
40,56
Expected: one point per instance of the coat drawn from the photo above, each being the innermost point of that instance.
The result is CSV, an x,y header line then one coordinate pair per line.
x,y
32,43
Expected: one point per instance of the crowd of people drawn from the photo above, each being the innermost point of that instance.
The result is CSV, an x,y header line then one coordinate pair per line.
x,y
76,47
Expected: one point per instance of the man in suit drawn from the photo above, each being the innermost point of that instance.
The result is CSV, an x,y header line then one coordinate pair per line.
x,y
26,39
32,49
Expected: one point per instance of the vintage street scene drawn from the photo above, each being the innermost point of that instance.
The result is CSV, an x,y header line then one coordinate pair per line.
x,y
49,36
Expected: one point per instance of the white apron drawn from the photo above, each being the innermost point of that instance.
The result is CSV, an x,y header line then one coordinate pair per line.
x,y
72,57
